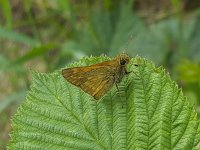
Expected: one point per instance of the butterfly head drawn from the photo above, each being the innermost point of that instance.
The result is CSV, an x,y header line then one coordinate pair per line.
x,y
123,59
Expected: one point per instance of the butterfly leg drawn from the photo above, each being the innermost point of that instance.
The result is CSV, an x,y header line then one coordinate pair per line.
x,y
117,87
127,72
119,94
118,90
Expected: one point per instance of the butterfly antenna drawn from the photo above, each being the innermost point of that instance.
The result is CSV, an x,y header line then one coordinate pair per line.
x,y
125,47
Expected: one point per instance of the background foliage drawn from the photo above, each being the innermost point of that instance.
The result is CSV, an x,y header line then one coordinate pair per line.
x,y
46,35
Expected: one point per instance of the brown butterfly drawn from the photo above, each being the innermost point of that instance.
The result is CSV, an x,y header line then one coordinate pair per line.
x,y
99,78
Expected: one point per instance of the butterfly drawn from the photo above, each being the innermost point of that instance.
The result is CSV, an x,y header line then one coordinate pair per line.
x,y
99,78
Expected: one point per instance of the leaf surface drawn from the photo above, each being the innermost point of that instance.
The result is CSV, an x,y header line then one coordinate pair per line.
x,y
151,114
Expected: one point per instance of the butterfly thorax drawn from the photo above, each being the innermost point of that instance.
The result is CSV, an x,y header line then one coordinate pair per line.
x,y
121,69
120,73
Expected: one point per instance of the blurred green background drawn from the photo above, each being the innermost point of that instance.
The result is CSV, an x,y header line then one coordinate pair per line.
x,y
45,35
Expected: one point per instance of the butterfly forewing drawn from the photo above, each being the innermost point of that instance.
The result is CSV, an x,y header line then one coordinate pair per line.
x,y
94,80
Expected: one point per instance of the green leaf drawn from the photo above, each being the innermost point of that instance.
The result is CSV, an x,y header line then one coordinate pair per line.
x,y
7,10
152,113
3,62
109,32
128,28
33,53
18,96
188,76
18,37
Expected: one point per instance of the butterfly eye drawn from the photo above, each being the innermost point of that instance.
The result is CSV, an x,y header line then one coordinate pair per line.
x,y
122,62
